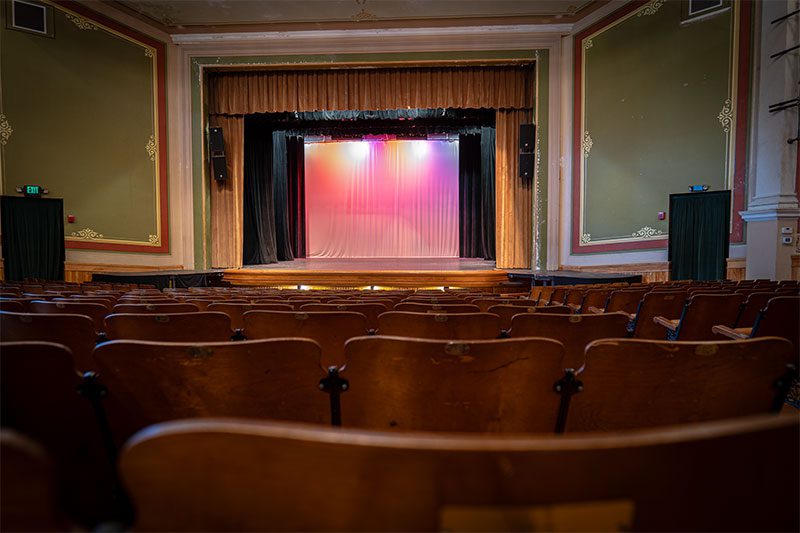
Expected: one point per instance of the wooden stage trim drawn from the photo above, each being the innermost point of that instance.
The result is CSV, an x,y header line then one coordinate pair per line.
x,y
366,278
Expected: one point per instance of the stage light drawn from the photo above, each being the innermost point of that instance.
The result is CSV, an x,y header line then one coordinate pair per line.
x,y
359,149
420,148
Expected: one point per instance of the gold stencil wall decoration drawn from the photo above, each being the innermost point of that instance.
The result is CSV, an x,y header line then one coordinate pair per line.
x,y
650,8
725,116
80,22
587,144
588,43
585,238
5,130
151,148
87,234
154,239
646,233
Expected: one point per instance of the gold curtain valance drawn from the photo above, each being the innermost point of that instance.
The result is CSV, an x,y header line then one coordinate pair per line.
x,y
374,89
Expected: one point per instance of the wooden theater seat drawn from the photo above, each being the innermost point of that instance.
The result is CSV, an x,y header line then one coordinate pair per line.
x,y
236,310
371,310
155,308
199,326
97,312
625,300
76,332
485,303
667,303
591,298
330,329
575,332
151,382
420,307
752,306
401,383
39,397
12,305
224,475
28,486
700,314
780,318
439,325
631,383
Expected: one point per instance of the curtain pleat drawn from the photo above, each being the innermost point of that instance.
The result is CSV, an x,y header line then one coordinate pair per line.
x,y
295,149
33,238
699,234
280,196
241,93
488,195
226,197
514,199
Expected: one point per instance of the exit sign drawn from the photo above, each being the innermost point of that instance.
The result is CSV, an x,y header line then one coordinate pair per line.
x,y
32,191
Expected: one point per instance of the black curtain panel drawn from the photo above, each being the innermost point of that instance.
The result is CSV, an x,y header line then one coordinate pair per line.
x,y
259,220
32,238
488,207
470,219
280,197
476,217
295,159
699,229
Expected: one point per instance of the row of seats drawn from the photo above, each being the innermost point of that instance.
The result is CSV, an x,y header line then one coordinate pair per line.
x,y
390,384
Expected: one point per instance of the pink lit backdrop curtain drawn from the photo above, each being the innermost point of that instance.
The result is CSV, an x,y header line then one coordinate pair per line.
x,y
382,199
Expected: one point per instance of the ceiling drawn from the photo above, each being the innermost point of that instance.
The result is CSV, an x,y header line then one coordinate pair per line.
x,y
182,16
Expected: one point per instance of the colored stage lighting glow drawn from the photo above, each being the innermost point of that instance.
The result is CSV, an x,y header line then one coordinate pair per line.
x,y
382,198
358,149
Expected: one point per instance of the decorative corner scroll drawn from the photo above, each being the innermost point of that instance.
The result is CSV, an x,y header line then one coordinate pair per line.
x,y
646,233
5,130
154,239
149,52
87,234
588,43
80,22
585,238
725,116
650,8
363,14
587,144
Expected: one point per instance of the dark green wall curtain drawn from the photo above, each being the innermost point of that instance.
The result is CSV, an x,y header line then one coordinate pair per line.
x,y
33,238
259,220
699,229
476,194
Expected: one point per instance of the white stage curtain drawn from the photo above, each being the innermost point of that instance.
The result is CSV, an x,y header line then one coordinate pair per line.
x,y
382,199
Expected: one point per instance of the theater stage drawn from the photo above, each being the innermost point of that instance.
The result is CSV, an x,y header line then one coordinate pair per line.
x,y
368,272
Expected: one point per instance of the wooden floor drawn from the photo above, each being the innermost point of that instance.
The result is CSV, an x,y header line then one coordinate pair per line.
x,y
368,272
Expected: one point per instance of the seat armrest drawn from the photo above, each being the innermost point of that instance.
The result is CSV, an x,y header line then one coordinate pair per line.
x,y
596,310
671,325
574,307
731,333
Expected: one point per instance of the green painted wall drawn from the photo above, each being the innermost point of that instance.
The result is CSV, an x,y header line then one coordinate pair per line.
x,y
81,108
653,91
202,231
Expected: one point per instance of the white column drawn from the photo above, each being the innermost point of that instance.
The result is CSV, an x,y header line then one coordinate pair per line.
x,y
773,198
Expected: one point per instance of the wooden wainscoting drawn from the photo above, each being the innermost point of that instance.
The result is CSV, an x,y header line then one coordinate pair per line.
x,y
82,272
650,271
653,272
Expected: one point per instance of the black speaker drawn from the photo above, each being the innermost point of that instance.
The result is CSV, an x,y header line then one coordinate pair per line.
x,y
527,137
216,142
216,147
526,161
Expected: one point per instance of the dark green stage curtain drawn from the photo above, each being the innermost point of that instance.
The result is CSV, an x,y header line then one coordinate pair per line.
x,y
259,220
476,194
33,238
699,227
296,172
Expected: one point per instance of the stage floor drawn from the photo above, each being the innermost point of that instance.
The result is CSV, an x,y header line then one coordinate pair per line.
x,y
367,272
